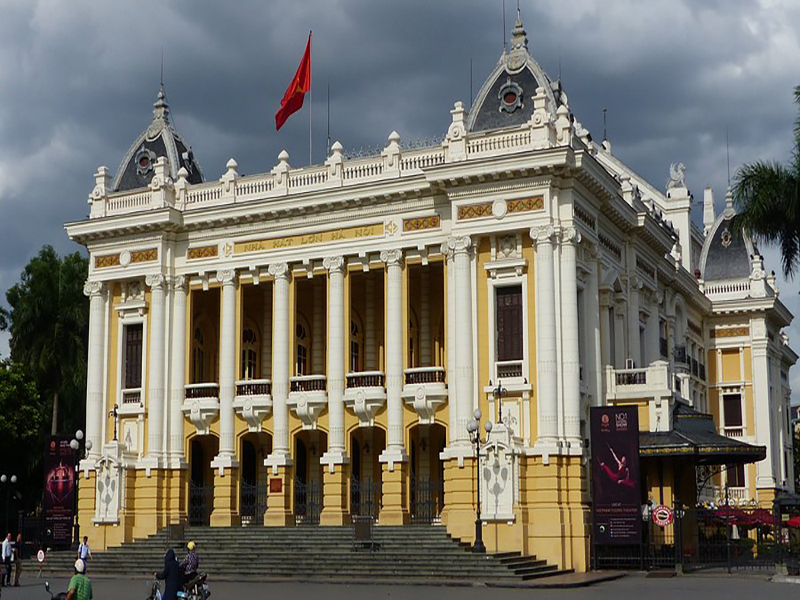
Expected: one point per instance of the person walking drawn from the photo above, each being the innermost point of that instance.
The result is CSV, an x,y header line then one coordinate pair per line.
x,y
173,580
7,552
80,586
84,553
19,550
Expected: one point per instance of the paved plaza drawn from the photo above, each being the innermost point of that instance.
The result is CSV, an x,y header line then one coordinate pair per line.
x,y
731,587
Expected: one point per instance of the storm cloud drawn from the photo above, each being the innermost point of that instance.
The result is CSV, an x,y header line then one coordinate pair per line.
x,y
78,79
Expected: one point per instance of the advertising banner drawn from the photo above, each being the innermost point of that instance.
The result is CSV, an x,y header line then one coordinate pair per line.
x,y
58,504
615,475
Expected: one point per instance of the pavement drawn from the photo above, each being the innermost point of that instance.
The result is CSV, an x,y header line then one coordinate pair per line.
x,y
688,587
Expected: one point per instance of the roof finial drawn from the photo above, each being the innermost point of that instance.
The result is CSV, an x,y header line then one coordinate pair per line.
x,y
519,17
519,38
162,67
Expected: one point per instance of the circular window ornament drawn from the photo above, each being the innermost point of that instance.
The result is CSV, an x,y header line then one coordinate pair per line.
x,y
510,96
144,161
499,209
726,238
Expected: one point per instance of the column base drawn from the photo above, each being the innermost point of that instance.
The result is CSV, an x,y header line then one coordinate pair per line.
x,y
279,499
225,513
394,509
335,496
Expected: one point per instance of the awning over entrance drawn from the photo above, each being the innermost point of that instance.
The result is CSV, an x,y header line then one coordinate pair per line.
x,y
694,435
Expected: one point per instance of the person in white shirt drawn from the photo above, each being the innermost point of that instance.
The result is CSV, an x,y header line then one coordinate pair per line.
x,y
83,550
7,552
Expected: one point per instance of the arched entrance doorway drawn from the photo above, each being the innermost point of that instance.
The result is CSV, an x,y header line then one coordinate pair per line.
x,y
202,449
308,447
255,447
366,444
427,473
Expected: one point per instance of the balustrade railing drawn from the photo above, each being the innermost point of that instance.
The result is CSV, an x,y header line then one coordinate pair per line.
x,y
631,377
132,396
733,432
254,387
420,375
307,383
508,368
365,379
196,391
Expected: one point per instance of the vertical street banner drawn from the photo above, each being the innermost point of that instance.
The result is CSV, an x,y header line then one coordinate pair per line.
x,y
615,475
58,504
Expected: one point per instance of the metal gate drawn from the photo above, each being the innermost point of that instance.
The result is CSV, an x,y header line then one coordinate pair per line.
x,y
365,498
427,500
252,503
201,500
307,502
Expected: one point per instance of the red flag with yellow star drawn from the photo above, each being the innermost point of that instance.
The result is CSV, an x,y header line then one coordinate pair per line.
x,y
296,92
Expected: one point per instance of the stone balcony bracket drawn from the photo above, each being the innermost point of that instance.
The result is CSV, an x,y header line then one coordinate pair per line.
x,y
253,402
201,405
425,391
365,395
308,398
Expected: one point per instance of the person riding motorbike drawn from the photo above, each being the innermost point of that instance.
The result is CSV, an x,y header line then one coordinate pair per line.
x,y
171,575
190,564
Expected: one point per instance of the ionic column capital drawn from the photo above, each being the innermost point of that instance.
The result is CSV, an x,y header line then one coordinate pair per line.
x,y
93,288
334,264
155,281
542,234
570,236
393,257
459,244
179,283
227,277
279,270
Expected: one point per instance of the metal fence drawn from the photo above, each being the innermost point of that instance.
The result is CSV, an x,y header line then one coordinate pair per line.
x,y
307,502
427,500
201,501
365,498
252,502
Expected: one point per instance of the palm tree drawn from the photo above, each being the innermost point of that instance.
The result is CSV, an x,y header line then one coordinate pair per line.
x,y
767,196
49,324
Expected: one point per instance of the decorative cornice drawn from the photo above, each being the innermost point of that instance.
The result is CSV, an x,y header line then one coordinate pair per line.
x,y
93,288
202,252
393,257
582,215
421,223
334,264
279,270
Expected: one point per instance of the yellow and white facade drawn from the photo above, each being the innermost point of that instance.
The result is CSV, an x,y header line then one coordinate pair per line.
x,y
308,327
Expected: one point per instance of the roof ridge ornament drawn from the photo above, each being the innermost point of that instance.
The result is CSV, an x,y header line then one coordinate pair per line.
x,y
518,55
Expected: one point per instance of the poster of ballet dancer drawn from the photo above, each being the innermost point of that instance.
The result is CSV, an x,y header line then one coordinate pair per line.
x,y
58,504
615,475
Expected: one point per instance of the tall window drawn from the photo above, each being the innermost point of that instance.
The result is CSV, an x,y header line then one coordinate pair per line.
x,y
355,348
133,356
508,303
735,475
612,337
249,353
198,355
302,350
732,409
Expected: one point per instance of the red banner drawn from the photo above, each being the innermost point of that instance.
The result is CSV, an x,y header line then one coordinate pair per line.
x,y
58,504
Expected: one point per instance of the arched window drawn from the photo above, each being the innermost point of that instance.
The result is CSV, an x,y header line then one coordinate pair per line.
x,y
301,336
198,355
249,353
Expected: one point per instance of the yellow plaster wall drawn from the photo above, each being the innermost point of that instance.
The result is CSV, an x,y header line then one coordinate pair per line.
x,y
730,365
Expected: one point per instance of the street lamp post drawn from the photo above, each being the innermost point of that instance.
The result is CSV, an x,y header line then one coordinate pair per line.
x,y
8,482
76,444
474,429
499,392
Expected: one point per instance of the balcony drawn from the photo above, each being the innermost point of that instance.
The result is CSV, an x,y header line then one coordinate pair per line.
x,y
702,374
132,402
425,391
651,382
253,402
681,357
201,405
307,398
131,396
695,367
365,395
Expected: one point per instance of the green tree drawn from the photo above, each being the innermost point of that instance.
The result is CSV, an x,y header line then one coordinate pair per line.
x,y
767,196
23,418
48,318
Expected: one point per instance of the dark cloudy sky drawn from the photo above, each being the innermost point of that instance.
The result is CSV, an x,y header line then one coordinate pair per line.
x,y
78,79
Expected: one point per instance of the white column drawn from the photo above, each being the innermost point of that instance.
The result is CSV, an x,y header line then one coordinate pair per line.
x,y
155,372
634,345
593,319
266,335
281,350
395,449
464,370
336,328
94,371
570,369
547,367
765,471
317,330
177,369
370,347
455,435
227,369
424,318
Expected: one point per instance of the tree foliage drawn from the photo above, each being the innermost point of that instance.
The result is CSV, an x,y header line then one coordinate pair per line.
x,y
48,318
767,196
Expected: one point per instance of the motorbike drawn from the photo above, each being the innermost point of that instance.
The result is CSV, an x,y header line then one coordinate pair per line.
x,y
196,589
59,596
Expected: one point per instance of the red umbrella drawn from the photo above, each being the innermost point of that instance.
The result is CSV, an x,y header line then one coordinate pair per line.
x,y
794,522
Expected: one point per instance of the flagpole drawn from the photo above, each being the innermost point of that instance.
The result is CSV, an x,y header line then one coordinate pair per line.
x,y
328,143
310,84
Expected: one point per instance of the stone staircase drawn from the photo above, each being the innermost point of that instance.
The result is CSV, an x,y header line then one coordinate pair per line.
x,y
414,553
